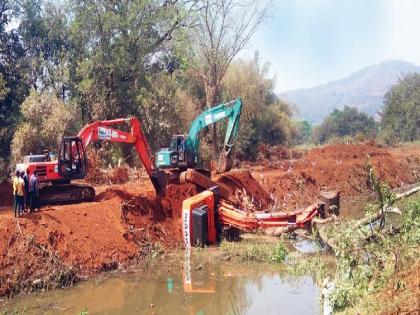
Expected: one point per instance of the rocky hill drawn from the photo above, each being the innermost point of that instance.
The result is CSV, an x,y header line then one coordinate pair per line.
x,y
364,89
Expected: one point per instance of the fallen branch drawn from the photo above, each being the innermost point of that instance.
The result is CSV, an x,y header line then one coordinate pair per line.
x,y
378,215
387,209
407,193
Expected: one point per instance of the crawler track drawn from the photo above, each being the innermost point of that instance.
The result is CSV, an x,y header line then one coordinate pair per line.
x,y
66,194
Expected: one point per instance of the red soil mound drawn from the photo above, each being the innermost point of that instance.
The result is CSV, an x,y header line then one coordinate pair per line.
x,y
6,194
242,184
112,192
119,175
157,219
296,183
84,239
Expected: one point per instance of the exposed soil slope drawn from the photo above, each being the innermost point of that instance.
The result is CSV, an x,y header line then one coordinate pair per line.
x,y
295,183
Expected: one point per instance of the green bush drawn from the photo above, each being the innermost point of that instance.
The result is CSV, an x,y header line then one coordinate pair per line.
x,y
348,122
401,112
45,120
279,253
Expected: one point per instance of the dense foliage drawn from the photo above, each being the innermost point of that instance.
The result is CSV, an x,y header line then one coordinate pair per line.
x,y
104,59
45,119
162,61
13,80
265,118
347,122
401,112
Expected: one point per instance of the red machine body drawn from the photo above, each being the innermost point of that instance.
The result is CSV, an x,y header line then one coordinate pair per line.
x,y
72,163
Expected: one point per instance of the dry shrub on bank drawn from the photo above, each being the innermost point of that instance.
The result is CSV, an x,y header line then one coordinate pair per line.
x,y
95,174
42,267
119,175
276,153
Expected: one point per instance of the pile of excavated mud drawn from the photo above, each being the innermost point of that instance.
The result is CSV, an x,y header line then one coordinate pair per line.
x,y
297,182
83,239
269,155
119,175
247,193
6,194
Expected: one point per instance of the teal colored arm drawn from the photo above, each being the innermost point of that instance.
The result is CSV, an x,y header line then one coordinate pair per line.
x,y
231,110
233,126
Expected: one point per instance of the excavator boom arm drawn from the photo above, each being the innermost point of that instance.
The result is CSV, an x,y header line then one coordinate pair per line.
x,y
102,130
231,110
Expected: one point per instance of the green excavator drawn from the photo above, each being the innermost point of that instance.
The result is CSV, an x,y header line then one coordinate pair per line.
x,y
183,149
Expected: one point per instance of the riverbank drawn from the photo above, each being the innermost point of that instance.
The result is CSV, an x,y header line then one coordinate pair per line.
x,y
64,244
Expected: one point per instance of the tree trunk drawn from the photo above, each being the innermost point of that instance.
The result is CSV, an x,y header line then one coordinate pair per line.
x,y
212,96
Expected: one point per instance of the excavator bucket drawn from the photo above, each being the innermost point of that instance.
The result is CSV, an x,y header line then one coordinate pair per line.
x,y
159,180
224,164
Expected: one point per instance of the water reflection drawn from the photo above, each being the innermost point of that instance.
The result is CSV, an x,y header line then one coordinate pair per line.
x,y
219,289
308,246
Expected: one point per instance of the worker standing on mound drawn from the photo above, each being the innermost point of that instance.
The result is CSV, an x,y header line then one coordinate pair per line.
x,y
33,190
19,189
15,188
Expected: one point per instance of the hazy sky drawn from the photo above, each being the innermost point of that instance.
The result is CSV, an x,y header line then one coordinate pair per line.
x,y
310,42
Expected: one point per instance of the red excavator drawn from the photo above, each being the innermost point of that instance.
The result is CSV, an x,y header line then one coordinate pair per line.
x,y
71,162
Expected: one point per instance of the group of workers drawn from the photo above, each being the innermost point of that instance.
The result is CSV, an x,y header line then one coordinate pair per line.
x,y
25,191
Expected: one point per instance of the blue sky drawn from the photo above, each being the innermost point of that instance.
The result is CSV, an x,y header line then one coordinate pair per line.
x,y
310,42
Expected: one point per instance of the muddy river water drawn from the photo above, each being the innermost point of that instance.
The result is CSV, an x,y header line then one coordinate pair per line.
x,y
183,286
218,289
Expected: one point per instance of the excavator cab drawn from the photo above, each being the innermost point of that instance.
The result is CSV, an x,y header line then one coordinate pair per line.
x,y
178,155
72,162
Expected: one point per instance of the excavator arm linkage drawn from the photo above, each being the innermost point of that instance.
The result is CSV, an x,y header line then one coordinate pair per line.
x,y
103,130
230,110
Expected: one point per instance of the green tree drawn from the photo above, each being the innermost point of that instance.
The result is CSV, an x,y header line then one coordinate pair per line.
x,y
265,118
401,112
303,132
346,122
44,32
117,46
45,120
13,79
222,29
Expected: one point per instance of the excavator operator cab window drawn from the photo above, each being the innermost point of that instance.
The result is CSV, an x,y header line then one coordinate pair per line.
x,y
174,143
72,159
180,147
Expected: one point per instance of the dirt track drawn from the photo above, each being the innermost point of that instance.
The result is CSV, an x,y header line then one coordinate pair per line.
x,y
128,220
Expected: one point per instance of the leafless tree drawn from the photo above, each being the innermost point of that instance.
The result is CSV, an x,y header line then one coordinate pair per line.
x,y
222,29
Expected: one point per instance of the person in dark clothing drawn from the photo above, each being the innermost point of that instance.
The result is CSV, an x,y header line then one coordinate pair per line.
x,y
47,156
27,194
181,150
33,191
